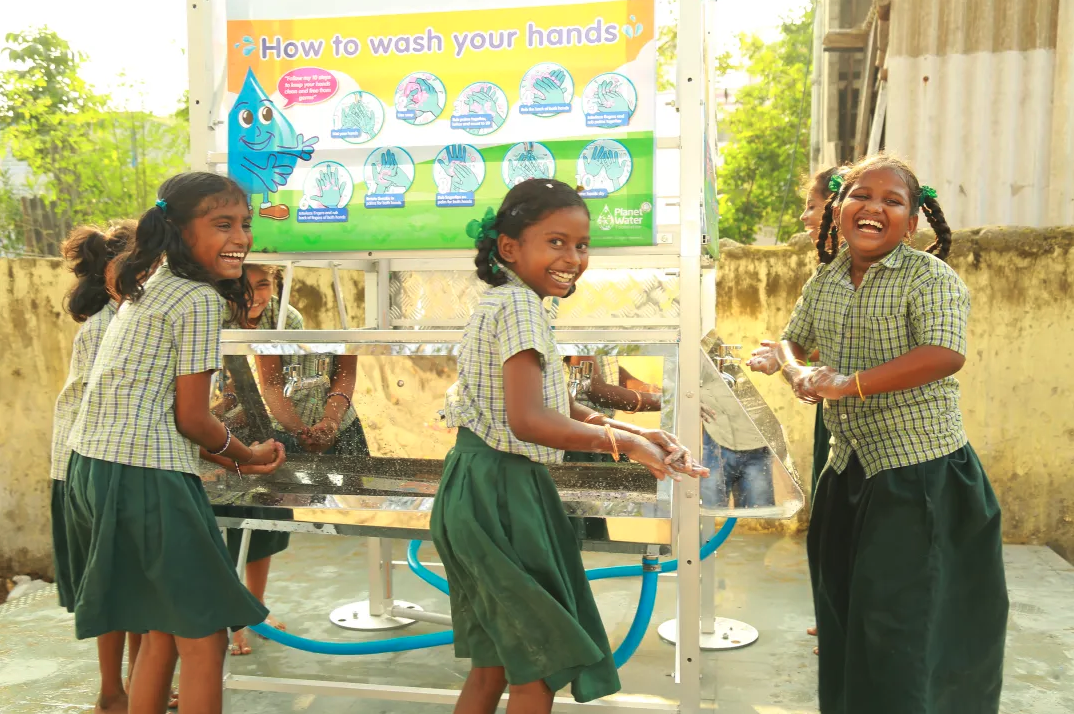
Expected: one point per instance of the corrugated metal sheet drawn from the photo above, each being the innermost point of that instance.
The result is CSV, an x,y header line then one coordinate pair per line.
x,y
975,105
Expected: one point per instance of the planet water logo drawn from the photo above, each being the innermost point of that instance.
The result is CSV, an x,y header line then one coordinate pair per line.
x,y
621,217
606,221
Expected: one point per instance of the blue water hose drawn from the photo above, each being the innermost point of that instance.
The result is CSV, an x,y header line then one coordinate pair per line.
x,y
643,615
396,644
649,572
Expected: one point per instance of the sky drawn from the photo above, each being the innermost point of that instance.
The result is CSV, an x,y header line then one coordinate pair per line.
x,y
137,55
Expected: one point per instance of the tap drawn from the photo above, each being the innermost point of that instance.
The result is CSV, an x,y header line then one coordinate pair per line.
x,y
581,379
295,382
725,357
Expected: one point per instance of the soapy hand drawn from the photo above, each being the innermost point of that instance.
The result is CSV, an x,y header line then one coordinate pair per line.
x,y
826,383
320,437
799,378
765,359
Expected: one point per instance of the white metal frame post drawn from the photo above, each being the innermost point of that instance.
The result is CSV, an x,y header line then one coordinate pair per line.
x,y
199,27
690,102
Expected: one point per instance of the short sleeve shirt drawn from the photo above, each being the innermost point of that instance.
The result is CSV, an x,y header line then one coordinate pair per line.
x,y
308,403
508,320
906,300
128,411
87,342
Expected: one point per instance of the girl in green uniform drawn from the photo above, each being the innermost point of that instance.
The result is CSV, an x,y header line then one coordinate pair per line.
x,y
765,359
905,549
88,252
319,419
522,610
146,555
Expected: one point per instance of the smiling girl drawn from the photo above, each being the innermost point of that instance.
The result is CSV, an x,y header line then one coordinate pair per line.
x,y
521,608
905,548
145,552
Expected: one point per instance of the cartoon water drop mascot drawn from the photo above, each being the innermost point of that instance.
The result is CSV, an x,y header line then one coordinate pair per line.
x,y
263,147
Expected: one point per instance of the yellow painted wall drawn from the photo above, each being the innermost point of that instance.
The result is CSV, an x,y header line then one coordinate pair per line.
x,y
1018,384
35,351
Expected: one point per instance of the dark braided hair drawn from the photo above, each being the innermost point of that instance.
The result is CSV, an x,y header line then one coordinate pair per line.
x,y
827,246
160,232
526,204
89,251
822,185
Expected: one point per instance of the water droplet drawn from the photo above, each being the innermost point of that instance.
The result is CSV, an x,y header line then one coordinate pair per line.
x,y
399,383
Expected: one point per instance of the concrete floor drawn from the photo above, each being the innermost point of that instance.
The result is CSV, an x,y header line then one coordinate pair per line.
x,y
763,581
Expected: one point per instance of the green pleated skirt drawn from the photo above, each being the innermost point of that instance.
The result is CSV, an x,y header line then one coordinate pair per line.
x,y
60,552
145,553
519,595
909,589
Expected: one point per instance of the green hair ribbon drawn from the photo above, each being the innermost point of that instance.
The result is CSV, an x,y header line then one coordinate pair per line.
x,y
484,229
927,192
835,184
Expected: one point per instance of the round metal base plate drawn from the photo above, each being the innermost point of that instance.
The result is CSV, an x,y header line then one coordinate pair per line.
x,y
355,616
728,635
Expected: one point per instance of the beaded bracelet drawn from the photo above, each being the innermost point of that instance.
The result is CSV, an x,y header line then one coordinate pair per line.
x,y
226,443
340,394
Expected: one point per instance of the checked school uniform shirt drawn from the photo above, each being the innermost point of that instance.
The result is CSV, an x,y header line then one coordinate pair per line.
x,y
128,412
87,342
509,319
308,403
906,300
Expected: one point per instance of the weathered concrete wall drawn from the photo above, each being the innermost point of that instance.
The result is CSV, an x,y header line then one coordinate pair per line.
x,y
1018,383
1017,386
35,350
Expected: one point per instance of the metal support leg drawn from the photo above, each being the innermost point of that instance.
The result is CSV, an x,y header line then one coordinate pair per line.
x,y
341,303
377,612
716,633
285,297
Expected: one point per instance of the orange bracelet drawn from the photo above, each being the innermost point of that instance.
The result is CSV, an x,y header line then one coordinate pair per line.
x,y
638,407
857,380
615,446
595,415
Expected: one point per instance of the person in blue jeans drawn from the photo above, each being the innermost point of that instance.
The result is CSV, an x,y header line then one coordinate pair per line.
x,y
734,451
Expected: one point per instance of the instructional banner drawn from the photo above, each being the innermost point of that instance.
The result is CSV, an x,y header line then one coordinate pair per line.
x,y
392,131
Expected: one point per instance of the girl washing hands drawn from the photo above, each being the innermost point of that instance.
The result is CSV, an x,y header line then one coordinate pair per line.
x,y
522,610
905,548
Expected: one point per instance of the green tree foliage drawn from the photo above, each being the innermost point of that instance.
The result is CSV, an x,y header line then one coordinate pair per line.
x,y
92,163
769,132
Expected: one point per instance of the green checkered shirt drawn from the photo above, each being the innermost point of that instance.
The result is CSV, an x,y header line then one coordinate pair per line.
x,y
906,300
128,411
87,342
308,403
508,320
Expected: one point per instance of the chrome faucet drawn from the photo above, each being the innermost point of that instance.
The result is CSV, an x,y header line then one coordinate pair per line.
x,y
726,357
295,382
581,379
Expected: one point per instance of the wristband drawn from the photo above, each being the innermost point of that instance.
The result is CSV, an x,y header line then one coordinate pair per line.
x,y
350,405
226,443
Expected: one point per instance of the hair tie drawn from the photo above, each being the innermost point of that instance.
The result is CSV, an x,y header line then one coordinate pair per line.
x,y
485,229
835,183
927,192
162,205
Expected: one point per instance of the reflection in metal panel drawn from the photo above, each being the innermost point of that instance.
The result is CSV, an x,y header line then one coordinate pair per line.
x,y
605,298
